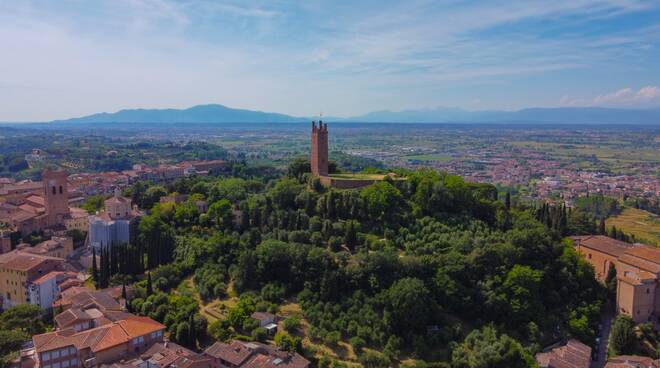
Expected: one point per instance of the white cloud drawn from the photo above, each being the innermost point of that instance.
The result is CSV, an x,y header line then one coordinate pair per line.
x,y
648,96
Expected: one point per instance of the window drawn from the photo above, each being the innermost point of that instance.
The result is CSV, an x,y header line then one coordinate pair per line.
x,y
56,354
60,189
648,290
65,352
45,356
589,256
74,361
65,364
54,192
56,365
45,366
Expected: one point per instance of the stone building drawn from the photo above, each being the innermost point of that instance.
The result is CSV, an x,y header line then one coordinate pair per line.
x,y
637,268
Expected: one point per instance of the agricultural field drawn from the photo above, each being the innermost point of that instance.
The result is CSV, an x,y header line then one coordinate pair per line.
x,y
644,225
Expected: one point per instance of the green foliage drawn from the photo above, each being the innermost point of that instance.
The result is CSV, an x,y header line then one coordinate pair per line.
x,y
287,342
374,359
93,204
424,258
24,317
623,340
598,206
220,330
485,348
220,212
292,323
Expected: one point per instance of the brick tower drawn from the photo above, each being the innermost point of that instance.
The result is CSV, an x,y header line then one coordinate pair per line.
x,y
56,196
319,160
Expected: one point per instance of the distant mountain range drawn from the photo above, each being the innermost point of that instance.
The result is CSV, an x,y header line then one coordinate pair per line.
x,y
223,114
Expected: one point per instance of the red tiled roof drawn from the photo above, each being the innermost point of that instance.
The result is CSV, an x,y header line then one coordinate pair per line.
x,y
603,244
572,355
632,361
21,261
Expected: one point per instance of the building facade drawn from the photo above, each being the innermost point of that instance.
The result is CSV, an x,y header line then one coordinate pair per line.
x,y
18,271
114,225
637,269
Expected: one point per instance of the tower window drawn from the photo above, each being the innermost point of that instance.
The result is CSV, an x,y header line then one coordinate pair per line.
x,y
60,189
54,190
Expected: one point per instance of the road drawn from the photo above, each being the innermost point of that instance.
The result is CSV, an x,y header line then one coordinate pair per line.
x,y
606,322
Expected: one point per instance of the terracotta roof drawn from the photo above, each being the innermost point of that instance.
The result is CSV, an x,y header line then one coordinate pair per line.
x,y
70,316
99,338
643,256
235,353
572,355
61,274
139,326
169,354
21,261
81,297
255,355
632,361
603,244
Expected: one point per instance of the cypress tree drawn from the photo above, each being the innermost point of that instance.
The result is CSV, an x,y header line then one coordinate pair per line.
x,y
95,271
507,200
150,289
601,227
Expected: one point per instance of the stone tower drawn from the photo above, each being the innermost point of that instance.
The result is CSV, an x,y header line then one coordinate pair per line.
x,y
56,196
319,159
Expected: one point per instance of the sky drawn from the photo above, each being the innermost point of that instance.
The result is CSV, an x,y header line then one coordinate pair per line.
x,y
69,58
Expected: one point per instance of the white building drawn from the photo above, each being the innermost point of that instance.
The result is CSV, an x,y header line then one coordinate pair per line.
x,y
113,225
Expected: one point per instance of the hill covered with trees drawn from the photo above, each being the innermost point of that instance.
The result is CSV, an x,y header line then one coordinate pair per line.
x,y
429,268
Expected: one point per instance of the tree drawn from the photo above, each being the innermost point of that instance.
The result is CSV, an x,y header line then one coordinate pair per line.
x,y
95,271
611,281
150,289
507,200
11,342
383,201
220,212
298,167
220,330
623,339
522,287
23,317
410,305
374,359
484,348
350,236
287,342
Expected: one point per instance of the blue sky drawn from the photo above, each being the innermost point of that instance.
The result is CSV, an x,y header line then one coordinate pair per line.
x,y
69,58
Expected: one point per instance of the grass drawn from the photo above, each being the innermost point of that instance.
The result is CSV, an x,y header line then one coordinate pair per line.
x,y
358,176
644,225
